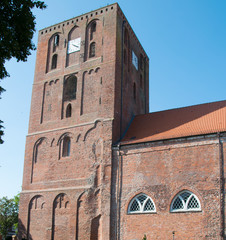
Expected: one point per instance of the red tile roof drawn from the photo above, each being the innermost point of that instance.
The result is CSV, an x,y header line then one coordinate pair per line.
x,y
175,123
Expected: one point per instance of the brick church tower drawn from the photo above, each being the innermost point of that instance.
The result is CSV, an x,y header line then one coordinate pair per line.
x,y
91,78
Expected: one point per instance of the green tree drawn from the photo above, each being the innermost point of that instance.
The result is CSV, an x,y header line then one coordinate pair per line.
x,y
145,237
8,214
17,26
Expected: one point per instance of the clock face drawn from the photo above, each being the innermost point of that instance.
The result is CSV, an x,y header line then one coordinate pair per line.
x,y
74,45
134,60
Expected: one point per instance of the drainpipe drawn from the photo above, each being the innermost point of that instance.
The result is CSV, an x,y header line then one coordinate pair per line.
x,y
122,74
222,186
119,193
145,87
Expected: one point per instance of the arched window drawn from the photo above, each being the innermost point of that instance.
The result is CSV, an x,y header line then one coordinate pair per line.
x,y
56,40
54,62
185,201
92,50
66,147
141,204
70,88
68,111
92,30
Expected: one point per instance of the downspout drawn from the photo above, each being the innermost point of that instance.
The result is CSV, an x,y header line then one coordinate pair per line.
x,y
145,87
222,186
122,75
119,193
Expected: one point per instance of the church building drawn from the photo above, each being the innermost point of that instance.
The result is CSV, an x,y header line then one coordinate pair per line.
x,y
97,165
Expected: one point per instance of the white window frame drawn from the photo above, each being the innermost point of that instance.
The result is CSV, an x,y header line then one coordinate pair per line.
x,y
185,204
141,211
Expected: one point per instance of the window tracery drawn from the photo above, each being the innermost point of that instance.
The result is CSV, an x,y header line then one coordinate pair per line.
x,y
185,201
141,203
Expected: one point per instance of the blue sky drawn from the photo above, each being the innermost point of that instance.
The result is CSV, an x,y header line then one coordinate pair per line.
x,y
184,39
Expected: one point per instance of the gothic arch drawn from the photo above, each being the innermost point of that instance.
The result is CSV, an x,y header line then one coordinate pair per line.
x,y
49,100
73,57
91,91
53,49
93,39
64,144
73,33
61,217
36,214
81,214
39,156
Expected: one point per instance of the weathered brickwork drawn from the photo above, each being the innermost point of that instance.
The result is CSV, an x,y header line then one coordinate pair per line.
x,y
81,180
76,115
161,170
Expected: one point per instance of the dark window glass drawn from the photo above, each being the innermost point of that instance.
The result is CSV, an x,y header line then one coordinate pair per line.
x,y
92,51
54,62
70,88
92,30
66,146
68,111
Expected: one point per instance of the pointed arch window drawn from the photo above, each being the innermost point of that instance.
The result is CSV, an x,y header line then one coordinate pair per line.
x,y
54,62
68,111
66,147
185,201
141,203
92,50
56,40
92,30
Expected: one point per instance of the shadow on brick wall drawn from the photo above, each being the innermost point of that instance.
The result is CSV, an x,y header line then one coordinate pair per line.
x,y
22,233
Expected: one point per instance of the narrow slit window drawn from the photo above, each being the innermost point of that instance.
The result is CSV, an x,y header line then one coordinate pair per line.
x,y
92,51
68,111
66,147
54,62
56,40
92,30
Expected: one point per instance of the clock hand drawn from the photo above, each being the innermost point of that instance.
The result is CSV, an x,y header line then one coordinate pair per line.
x,y
75,45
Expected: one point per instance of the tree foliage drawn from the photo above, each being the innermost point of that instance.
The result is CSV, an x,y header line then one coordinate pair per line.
x,y
17,26
8,214
145,237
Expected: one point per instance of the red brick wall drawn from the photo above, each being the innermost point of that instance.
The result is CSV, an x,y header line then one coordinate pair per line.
x,y
83,179
84,176
161,170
